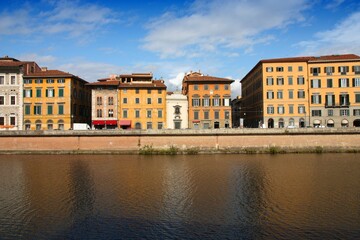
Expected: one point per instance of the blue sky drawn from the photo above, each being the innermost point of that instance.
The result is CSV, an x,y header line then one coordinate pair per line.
x,y
223,38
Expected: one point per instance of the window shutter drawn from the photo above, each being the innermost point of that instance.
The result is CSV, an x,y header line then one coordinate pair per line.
x,y
46,92
353,82
53,92
312,83
311,70
319,70
319,83
202,102
24,93
192,102
320,99
339,81
30,92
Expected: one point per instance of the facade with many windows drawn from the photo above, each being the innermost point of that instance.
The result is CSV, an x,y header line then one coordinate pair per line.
x,y
55,100
303,91
176,110
208,99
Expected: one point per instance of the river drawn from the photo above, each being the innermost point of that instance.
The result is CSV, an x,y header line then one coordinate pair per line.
x,y
290,196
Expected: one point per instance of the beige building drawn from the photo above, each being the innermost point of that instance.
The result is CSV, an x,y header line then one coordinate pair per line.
x,y
176,110
303,91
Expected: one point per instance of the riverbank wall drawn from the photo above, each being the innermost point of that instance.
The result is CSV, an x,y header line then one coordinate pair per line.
x,y
180,141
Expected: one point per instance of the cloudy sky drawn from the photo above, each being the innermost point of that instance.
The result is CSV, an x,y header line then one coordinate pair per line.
x,y
223,38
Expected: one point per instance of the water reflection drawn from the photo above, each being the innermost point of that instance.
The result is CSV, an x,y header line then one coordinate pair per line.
x,y
180,197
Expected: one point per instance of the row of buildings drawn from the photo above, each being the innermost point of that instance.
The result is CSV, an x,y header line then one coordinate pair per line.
x,y
285,92
35,98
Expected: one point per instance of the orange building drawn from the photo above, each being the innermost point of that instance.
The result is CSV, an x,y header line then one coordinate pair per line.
x,y
209,100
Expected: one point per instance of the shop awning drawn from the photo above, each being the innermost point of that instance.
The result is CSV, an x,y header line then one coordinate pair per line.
x,y
111,122
98,122
196,121
330,121
125,122
317,121
344,121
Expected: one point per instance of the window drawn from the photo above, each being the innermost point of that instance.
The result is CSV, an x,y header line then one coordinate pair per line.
x,y
269,81
160,125
177,110
125,113
316,99
291,109
226,102
216,102
149,91
315,71
160,113
316,113
137,91
280,81
125,100
2,80
27,81
196,87
343,82
149,125
61,92
270,95
60,109
61,80
281,109
289,68
2,121
329,83
38,81
50,92
356,69
124,90
111,100
216,114
356,112
344,100
329,70
206,115
99,113
49,109
196,115
27,109
226,87
13,120
206,102
148,113
291,94
159,100
300,81
357,97
315,83
110,113
279,69
356,82
137,100
330,112
37,110
344,112
301,109
195,102
159,91
330,100
270,110
301,94
280,95
2,100
38,92
343,70
290,80
227,115
13,80
206,87
269,69
300,68
12,100
216,87
137,113
49,80
99,101
149,101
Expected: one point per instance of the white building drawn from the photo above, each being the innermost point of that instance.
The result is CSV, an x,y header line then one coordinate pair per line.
x,y
176,110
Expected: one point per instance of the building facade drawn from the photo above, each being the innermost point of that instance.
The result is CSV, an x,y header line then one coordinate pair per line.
x,y
11,91
142,102
237,116
104,103
303,91
176,111
55,100
208,100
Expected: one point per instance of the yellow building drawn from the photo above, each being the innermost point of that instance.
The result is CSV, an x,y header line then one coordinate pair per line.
x,y
55,100
208,99
303,91
142,102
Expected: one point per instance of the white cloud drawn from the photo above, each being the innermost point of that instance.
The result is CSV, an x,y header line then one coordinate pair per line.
x,y
339,40
177,81
17,22
334,4
41,60
215,24
235,89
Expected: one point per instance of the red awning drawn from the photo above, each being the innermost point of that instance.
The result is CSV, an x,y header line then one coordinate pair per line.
x,y
98,122
125,123
111,122
196,121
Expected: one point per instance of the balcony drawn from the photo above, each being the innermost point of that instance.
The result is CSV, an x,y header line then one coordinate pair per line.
x,y
337,105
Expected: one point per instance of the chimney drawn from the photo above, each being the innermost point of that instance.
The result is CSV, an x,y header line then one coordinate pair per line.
x,y
44,69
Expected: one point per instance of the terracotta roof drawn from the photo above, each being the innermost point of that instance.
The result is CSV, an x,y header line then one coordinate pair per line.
x,y
50,73
202,78
104,83
10,64
153,84
313,58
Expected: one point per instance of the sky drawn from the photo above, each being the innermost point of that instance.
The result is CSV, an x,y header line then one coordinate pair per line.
x,y
222,38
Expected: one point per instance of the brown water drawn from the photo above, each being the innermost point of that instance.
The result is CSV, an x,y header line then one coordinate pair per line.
x,y
180,197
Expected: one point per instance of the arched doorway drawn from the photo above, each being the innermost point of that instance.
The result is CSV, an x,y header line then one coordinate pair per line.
x,y
330,123
281,123
61,124
38,124
50,125
291,123
216,125
137,125
271,123
344,123
316,123
357,123
302,123
27,125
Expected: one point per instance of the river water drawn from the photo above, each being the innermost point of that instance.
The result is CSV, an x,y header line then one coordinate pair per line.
x,y
304,196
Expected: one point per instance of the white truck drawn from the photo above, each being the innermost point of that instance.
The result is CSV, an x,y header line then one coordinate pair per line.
x,y
81,126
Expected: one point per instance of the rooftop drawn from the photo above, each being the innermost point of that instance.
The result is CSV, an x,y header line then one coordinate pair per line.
x,y
199,77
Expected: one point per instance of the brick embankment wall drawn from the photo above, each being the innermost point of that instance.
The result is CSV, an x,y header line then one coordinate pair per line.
x,y
181,141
